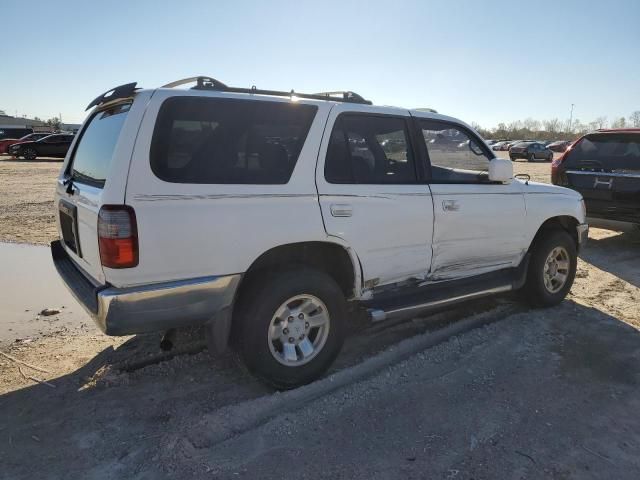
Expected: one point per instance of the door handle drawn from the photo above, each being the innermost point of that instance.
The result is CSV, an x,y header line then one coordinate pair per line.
x,y
341,210
450,206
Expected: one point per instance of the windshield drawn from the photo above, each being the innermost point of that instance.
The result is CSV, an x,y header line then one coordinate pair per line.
x,y
94,151
606,152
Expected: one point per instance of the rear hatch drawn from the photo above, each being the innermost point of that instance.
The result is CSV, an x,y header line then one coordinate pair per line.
x,y
88,181
605,169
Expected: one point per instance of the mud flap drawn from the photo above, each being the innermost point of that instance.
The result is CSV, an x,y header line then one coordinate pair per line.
x,y
217,332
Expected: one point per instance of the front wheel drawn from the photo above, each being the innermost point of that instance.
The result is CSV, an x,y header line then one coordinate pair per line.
x,y
29,154
552,268
532,158
291,326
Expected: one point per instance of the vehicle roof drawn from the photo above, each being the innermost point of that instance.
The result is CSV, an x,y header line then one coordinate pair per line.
x,y
416,112
617,130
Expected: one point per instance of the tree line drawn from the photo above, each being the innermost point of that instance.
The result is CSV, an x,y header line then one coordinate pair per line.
x,y
554,129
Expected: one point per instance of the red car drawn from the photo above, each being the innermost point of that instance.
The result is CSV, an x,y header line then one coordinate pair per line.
x,y
604,166
5,143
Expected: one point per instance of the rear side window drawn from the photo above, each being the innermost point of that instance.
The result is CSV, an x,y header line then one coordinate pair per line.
x,y
224,141
93,153
608,151
366,149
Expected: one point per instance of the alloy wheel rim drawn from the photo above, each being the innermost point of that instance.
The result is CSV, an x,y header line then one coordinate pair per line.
x,y
299,330
556,269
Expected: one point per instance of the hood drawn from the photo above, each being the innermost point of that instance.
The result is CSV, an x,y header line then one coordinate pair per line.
x,y
537,187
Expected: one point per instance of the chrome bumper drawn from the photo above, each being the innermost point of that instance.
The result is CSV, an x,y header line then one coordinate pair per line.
x,y
148,308
583,234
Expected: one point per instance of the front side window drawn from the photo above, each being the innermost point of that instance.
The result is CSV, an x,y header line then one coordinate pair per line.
x,y
455,154
367,149
225,141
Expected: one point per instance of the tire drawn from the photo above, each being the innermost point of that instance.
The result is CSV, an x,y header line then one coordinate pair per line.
x,y
538,291
531,158
512,158
29,154
262,335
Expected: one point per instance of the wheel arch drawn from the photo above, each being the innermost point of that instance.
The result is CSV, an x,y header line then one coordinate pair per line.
x,y
567,223
335,258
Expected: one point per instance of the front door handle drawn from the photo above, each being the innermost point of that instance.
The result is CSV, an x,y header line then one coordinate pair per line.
x,y
341,210
450,206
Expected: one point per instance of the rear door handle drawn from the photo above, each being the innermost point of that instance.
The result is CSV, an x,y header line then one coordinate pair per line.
x,y
341,210
450,206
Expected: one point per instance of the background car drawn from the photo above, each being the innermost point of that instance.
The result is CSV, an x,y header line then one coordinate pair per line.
x,y
499,145
532,151
7,142
559,146
604,166
50,146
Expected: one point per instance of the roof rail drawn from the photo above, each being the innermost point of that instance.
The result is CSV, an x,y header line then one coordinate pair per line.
x,y
209,83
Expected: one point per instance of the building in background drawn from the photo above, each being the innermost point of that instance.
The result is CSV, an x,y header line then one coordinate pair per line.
x,y
16,127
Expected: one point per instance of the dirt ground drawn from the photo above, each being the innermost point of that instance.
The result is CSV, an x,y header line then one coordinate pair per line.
x,y
26,200
489,389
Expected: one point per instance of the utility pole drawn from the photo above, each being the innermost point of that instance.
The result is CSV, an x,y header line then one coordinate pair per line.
x,y
571,117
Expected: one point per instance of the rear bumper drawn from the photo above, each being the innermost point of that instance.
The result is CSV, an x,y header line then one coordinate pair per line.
x,y
147,308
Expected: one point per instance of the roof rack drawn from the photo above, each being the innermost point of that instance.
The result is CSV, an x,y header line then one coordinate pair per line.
x,y
209,83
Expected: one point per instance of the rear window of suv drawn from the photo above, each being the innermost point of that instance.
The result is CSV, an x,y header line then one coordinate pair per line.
x,y
606,151
228,141
92,156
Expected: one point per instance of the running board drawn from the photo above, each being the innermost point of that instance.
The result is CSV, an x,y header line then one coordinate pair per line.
x,y
408,311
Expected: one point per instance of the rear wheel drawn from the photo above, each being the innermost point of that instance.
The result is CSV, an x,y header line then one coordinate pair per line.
x,y
291,326
29,154
552,268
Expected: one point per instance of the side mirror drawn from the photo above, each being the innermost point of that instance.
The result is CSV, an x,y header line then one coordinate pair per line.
x,y
500,170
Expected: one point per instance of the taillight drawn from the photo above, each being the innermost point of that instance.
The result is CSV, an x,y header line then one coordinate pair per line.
x,y
118,236
557,177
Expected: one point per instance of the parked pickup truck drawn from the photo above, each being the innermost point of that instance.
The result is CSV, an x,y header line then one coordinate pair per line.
x,y
264,215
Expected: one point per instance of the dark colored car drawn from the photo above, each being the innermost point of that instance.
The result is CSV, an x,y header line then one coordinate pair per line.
x,y
559,146
7,142
50,146
532,151
604,166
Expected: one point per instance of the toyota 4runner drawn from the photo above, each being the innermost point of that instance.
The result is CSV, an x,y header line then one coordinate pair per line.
x,y
262,215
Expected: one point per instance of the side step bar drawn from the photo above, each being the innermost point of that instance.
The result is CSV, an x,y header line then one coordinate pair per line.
x,y
408,311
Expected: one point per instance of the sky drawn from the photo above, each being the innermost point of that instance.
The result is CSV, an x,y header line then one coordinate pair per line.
x,y
481,61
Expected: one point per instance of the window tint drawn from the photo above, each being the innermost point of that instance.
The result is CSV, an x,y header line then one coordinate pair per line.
x,y
607,151
212,140
53,139
93,153
455,155
369,149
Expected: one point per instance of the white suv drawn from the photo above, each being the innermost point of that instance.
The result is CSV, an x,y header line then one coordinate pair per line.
x,y
262,214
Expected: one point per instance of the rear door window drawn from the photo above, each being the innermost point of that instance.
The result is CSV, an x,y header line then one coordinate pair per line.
x,y
226,141
606,151
368,149
93,153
